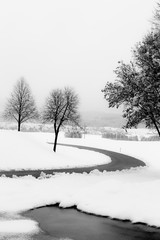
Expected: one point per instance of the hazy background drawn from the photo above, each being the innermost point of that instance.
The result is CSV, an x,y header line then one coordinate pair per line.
x,y
77,43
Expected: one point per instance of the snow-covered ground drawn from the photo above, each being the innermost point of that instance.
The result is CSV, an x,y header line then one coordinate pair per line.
x,y
21,150
131,194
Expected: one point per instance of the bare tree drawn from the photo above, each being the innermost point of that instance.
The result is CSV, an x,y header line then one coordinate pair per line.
x,y
21,106
60,109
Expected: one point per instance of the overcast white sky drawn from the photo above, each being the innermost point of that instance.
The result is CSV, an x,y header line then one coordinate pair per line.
x,y
77,43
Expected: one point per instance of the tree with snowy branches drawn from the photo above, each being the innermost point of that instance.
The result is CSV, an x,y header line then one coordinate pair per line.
x,y
137,85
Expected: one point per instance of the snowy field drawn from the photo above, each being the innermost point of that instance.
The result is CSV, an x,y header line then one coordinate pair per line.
x,y
21,150
131,194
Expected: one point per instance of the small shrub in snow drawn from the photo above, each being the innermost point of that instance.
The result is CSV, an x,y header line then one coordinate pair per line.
x,y
151,138
73,133
118,135
132,138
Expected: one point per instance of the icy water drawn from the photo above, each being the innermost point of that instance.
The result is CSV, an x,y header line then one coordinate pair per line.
x,y
66,224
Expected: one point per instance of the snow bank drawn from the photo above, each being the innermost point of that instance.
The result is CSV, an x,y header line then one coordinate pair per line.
x,y
132,194
21,226
31,151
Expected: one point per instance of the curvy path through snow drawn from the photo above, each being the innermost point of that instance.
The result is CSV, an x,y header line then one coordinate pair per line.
x,y
119,162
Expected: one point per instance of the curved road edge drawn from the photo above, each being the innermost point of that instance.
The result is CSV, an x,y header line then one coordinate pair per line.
x,y
118,162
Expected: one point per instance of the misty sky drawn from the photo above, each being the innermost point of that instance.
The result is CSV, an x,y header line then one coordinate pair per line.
x,y
77,43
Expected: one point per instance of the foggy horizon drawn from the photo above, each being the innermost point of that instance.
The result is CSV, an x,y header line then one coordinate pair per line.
x,y
67,43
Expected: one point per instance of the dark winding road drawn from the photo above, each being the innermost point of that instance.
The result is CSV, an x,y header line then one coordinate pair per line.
x,y
119,162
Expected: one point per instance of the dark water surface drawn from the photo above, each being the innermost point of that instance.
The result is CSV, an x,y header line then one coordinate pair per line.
x,y
59,223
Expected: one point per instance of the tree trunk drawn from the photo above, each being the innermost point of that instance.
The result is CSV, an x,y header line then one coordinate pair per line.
x,y
55,141
155,124
19,126
19,122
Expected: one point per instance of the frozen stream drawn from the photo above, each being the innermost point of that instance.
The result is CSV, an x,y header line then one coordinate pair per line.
x,y
59,223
